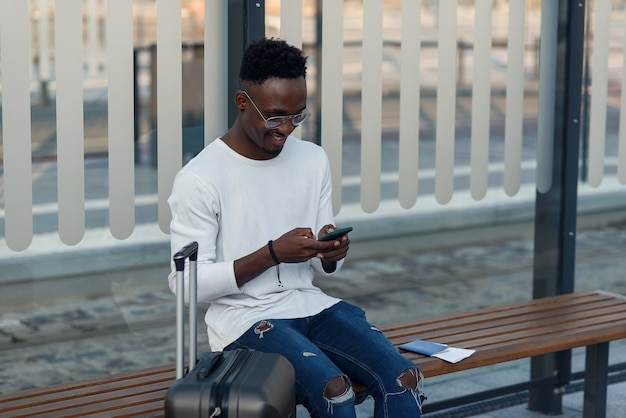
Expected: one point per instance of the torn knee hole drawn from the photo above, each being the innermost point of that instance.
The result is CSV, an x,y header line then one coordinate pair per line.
x,y
409,379
337,388
262,327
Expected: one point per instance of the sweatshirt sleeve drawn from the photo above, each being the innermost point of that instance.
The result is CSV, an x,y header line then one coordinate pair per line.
x,y
195,217
325,212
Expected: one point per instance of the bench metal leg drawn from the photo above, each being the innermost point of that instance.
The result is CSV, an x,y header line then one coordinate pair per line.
x,y
596,380
555,368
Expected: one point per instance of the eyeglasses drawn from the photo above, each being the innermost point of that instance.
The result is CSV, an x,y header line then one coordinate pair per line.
x,y
276,121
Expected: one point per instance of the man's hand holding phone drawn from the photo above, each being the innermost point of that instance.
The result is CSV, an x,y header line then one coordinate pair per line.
x,y
337,233
338,245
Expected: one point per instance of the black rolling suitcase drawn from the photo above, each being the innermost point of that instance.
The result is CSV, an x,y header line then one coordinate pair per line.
x,y
233,384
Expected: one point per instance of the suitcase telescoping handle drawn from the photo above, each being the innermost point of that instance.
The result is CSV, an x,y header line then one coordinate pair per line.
x,y
189,251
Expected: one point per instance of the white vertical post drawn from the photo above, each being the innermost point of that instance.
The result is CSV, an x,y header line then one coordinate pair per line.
x,y
92,38
169,102
291,21
409,103
547,95
514,98
599,82
291,30
70,125
621,153
332,91
121,118
215,69
44,49
481,99
371,104
446,101
16,132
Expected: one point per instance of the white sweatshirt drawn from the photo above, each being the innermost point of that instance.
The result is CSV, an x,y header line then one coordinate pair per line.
x,y
232,206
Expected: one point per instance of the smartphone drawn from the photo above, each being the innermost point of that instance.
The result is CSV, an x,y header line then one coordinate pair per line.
x,y
335,234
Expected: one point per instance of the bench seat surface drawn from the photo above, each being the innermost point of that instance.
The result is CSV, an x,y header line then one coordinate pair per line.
x,y
498,334
516,331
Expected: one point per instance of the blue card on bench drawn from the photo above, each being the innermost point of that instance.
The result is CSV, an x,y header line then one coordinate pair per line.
x,y
426,348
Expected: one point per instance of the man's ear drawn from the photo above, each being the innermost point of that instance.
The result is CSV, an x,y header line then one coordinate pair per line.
x,y
240,100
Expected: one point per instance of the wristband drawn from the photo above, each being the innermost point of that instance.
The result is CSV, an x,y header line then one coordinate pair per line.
x,y
272,253
276,260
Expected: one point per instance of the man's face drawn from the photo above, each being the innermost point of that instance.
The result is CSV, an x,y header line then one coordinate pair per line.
x,y
275,97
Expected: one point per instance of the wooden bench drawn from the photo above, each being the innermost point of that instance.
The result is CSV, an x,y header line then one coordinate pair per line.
x,y
498,334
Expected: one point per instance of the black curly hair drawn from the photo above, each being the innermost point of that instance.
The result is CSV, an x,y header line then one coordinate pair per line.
x,y
269,58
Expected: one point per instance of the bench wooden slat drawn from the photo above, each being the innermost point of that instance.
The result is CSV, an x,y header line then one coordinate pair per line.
x,y
86,395
492,324
120,406
483,319
502,333
498,334
103,383
594,323
85,405
543,304
122,381
500,353
92,394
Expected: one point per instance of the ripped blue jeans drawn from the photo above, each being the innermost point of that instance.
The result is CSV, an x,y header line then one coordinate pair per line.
x,y
327,348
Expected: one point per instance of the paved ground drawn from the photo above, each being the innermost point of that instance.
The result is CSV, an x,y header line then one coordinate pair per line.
x,y
132,326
